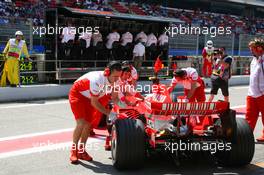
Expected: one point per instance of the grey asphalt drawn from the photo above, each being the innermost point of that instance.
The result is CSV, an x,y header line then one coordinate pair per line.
x,y
41,116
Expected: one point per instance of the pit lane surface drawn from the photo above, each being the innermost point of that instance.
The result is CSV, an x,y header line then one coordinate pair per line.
x,y
35,139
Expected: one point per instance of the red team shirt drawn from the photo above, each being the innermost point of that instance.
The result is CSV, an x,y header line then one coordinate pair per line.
x,y
90,84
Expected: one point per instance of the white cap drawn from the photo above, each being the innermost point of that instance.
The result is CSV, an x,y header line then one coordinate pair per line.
x,y
18,33
209,43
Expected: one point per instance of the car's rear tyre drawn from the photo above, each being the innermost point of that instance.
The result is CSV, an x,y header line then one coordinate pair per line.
x,y
242,146
128,144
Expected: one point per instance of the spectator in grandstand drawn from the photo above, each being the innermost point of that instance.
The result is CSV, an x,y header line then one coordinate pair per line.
x,y
192,83
255,98
142,35
207,59
221,74
88,98
13,51
112,43
139,55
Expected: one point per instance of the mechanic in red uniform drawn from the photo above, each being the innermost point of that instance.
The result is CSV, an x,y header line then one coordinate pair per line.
x,y
192,83
208,59
255,98
88,98
123,95
134,75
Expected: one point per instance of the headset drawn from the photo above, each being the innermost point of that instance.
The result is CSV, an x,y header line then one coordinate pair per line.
x,y
113,65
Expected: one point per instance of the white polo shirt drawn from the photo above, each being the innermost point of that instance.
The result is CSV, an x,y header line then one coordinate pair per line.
x,y
163,38
97,38
192,76
111,38
139,50
126,38
87,37
68,34
143,37
152,39
256,81
93,84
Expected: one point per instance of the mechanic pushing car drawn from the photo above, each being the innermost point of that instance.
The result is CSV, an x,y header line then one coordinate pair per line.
x,y
124,94
192,83
126,91
255,98
134,75
88,98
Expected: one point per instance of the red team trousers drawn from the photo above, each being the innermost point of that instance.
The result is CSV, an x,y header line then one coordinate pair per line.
x,y
254,106
207,68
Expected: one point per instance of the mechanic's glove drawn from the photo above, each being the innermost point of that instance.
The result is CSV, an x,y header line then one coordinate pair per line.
x,y
111,118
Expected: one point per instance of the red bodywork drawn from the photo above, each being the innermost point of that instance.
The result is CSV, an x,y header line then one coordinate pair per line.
x,y
159,108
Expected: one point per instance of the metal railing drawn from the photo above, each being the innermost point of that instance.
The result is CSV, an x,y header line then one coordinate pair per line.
x,y
64,71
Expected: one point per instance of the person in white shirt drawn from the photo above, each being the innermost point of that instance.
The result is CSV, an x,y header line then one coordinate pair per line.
x,y
97,37
68,35
126,38
151,39
125,50
255,98
87,36
142,35
111,38
163,39
139,55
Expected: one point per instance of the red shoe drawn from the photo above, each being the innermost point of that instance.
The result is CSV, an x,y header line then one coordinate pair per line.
x,y
85,156
261,139
73,156
107,143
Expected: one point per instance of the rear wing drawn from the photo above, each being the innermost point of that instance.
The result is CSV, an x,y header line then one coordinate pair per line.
x,y
194,108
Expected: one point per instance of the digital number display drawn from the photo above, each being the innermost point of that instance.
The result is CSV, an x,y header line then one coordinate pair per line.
x,y
29,79
26,77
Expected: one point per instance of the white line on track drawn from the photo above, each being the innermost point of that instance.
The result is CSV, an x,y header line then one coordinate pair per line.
x,y
29,105
60,147
35,134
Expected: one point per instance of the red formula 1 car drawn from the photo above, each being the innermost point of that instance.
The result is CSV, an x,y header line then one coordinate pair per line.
x,y
160,124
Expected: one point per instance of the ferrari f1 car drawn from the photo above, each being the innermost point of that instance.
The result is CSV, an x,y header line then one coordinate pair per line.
x,y
160,124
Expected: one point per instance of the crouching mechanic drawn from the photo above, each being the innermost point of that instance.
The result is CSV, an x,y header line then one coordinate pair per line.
x,y
192,83
88,98
123,95
134,75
